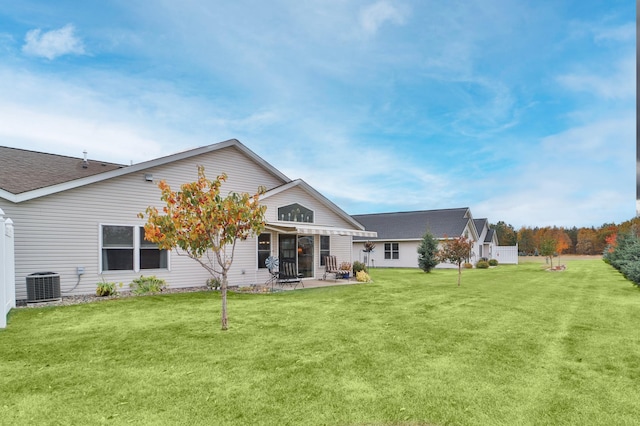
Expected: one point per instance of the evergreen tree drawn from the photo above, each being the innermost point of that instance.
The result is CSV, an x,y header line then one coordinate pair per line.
x,y
507,236
427,251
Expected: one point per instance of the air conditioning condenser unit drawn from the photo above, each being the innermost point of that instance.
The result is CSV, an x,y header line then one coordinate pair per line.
x,y
43,287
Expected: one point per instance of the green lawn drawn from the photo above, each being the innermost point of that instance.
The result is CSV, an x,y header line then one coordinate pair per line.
x,y
515,345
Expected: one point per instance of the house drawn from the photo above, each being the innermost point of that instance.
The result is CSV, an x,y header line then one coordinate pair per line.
x,y
487,239
400,234
77,218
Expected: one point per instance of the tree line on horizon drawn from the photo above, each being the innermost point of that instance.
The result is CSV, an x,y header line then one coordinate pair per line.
x,y
585,240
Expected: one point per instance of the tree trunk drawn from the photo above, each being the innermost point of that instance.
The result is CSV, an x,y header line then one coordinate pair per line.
x,y
224,301
459,273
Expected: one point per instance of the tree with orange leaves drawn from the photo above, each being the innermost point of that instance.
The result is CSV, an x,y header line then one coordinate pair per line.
x,y
202,224
563,241
455,250
587,241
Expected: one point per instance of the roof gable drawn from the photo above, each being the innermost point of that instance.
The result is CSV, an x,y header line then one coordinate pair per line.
x,y
481,224
74,180
413,225
299,183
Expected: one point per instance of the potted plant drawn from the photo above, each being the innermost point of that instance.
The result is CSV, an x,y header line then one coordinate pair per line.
x,y
345,269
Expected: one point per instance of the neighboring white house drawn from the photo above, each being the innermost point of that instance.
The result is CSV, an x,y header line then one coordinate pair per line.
x,y
487,239
400,234
77,218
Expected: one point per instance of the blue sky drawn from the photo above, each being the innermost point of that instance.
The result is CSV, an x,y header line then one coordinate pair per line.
x,y
522,110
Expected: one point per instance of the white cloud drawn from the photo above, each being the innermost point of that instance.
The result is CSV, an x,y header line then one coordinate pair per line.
x,y
619,83
6,41
594,141
116,118
68,135
54,43
375,15
582,176
626,32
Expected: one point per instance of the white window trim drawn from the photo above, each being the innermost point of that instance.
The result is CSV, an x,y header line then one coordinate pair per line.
x,y
320,265
258,267
136,251
391,251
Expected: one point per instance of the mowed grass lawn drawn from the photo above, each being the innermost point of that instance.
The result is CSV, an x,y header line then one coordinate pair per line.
x,y
513,345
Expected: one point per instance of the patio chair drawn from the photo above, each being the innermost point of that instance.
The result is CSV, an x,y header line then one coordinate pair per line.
x,y
288,274
331,267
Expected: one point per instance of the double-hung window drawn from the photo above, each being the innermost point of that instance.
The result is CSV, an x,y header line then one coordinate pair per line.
x,y
117,248
124,248
325,248
391,251
264,249
151,257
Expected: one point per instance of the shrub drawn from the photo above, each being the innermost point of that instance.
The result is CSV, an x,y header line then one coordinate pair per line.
x,y
214,283
363,277
107,289
358,266
467,265
493,262
482,264
145,285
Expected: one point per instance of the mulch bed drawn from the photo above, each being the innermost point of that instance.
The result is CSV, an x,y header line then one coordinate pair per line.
x,y
90,298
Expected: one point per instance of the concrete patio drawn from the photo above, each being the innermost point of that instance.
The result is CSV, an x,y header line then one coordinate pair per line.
x,y
315,283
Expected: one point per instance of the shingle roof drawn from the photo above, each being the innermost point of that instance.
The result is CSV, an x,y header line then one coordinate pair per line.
x,y
489,236
413,225
480,223
22,170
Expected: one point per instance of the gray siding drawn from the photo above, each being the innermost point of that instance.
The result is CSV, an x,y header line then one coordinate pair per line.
x,y
340,246
407,253
60,232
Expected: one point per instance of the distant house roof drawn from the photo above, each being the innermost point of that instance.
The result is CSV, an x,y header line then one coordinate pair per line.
x,y
489,237
480,224
23,171
413,225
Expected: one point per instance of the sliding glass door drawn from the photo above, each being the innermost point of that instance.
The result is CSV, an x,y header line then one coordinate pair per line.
x,y
300,249
305,255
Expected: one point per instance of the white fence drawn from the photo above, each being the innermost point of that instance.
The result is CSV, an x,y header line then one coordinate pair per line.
x,y
506,254
7,269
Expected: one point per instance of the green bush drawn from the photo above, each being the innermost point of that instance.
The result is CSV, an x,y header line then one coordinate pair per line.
x,y
467,265
107,289
625,256
358,267
145,285
214,283
482,264
493,262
